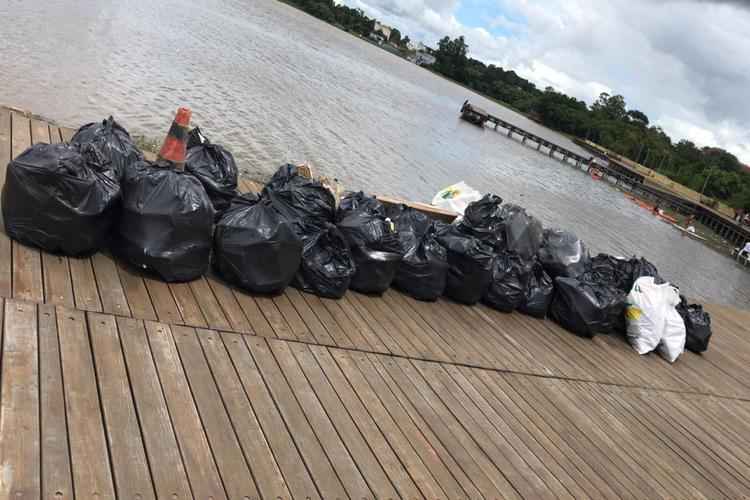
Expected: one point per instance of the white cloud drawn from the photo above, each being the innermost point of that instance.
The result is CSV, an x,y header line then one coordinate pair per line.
x,y
683,62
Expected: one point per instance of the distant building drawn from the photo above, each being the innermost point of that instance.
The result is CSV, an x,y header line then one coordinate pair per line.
x,y
376,37
383,29
416,46
424,59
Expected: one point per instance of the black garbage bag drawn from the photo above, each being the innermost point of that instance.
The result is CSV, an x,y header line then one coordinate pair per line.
x,y
167,222
510,280
485,219
352,201
470,265
587,309
697,325
215,167
375,270
299,198
617,272
113,142
562,254
423,270
375,246
523,233
196,138
55,198
327,265
638,268
538,292
255,247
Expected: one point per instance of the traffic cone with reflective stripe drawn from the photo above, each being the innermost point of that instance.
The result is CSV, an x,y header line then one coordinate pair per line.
x,y
175,144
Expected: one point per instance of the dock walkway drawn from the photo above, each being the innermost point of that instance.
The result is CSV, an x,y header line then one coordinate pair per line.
x,y
116,385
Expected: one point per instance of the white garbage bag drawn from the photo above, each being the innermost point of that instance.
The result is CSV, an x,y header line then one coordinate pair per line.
x,y
673,339
456,197
653,320
645,314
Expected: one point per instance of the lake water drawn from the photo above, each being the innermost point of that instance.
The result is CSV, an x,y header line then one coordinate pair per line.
x,y
275,85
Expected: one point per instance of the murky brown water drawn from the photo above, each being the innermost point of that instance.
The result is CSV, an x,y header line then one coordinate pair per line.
x,y
275,85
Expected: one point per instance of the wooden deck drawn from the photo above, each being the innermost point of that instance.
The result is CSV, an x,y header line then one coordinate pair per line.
x,y
116,385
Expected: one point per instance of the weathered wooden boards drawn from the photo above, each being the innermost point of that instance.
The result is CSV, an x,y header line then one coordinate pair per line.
x,y
394,324
99,406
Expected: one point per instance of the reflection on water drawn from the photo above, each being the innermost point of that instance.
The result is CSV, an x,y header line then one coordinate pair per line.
x,y
275,85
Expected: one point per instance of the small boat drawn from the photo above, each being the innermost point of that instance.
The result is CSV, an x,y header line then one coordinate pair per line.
x,y
596,174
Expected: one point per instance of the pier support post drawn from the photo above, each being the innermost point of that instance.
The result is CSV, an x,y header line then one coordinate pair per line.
x,y
551,151
510,132
539,146
523,141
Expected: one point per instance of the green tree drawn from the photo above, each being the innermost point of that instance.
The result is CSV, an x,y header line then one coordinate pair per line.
x,y
395,37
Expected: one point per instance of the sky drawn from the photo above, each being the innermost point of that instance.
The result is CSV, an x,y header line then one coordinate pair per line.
x,y
685,63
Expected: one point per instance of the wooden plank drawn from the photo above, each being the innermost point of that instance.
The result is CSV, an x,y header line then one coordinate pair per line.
x,y
333,308
338,335
293,319
136,292
393,396
20,134
84,285
520,468
353,412
163,301
274,317
532,417
314,325
237,320
599,461
258,322
129,465
233,468
19,419
5,141
167,470
341,459
27,273
362,456
27,262
110,288
358,322
67,133
254,444
420,460
450,427
379,329
6,261
92,475
39,132
54,134
509,424
57,481
196,452
295,473
316,460
187,304
58,287
209,305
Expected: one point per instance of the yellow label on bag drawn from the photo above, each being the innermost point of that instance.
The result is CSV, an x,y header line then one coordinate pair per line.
x,y
633,313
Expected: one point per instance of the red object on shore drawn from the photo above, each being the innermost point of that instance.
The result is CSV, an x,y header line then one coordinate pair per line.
x,y
174,148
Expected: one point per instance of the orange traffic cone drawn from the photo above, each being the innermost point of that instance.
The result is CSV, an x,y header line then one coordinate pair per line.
x,y
175,144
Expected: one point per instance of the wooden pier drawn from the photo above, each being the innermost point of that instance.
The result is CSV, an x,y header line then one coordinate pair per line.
x,y
618,173
613,172
116,385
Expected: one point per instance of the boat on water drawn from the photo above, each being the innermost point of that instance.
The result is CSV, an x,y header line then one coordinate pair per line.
x,y
690,233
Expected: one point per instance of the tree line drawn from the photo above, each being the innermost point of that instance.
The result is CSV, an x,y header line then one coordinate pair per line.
x,y
608,121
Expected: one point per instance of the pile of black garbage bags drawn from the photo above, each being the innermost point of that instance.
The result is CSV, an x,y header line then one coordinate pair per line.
x,y
99,191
